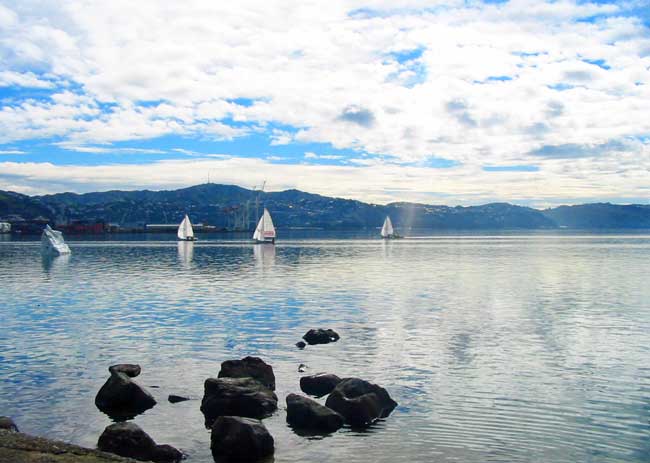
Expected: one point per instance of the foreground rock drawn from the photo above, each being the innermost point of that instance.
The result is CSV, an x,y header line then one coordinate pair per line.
x,y
249,367
236,397
305,413
129,369
122,398
129,440
7,424
240,439
320,336
16,447
319,384
360,402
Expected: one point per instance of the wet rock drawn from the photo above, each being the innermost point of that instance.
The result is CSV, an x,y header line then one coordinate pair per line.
x,y
236,397
301,368
249,367
7,424
129,440
360,402
120,397
177,398
305,413
129,369
240,439
319,384
301,345
320,336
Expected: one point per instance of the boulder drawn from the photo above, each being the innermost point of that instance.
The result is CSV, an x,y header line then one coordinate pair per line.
x,y
319,384
320,336
249,367
129,440
129,369
120,397
360,402
7,424
177,398
301,345
240,439
236,397
305,413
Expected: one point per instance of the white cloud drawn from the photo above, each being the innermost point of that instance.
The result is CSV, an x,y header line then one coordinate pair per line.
x,y
494,82
12,151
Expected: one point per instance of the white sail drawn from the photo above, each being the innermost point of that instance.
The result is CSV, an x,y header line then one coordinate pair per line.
x,y
387,229
185,230
265,231
52,242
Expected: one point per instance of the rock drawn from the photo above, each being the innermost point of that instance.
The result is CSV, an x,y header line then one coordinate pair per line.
x,y
360,402
120,397
320,336
16,447
236,397
305,413
129,369
319,384
301,345
129,440
301,368
177,398
249,367
242,439
7,424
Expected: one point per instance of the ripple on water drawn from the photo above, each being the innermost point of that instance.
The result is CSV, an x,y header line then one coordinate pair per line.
x,y
497,348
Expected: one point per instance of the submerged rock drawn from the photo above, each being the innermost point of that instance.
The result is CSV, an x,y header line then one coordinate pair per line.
x,y
360,402
249,367
177,398
237,397
301,345
320,336
305,413
319,384
129,440
7,424
120,397
129,369
241,439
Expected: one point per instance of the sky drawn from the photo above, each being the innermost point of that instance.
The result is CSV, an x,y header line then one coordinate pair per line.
x,y
458,102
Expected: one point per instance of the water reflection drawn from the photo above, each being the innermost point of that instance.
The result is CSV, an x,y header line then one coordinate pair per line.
x,y
264,255
52,263
186,253
501,349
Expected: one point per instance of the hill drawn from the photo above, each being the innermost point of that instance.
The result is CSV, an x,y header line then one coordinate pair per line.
x,y
229,206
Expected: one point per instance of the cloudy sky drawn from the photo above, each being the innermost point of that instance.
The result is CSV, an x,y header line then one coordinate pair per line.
x,y
456,102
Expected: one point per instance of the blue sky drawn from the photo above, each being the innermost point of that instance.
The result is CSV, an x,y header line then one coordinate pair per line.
x,y
458,102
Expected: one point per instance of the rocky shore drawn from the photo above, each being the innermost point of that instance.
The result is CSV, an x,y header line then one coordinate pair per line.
x,y
233,405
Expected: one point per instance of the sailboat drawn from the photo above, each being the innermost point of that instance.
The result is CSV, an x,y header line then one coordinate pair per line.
x,y
185,231
52,243
387,231
265,231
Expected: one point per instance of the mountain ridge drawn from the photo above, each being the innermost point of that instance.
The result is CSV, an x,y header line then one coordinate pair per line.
x,y
235,207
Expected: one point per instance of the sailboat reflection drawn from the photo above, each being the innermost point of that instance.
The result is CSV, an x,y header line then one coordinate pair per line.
x,y
264,255
52,263
186,252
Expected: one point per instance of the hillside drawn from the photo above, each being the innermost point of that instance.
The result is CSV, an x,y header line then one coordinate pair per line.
x,y
225,206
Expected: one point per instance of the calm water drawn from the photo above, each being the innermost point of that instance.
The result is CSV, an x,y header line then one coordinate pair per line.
x,y
498,348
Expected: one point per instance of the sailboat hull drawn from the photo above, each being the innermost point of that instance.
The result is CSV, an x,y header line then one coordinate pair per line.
x,y
265,241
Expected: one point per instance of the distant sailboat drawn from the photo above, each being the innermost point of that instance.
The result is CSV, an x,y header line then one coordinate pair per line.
x,y
185,231
52,243
387,231
265,231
